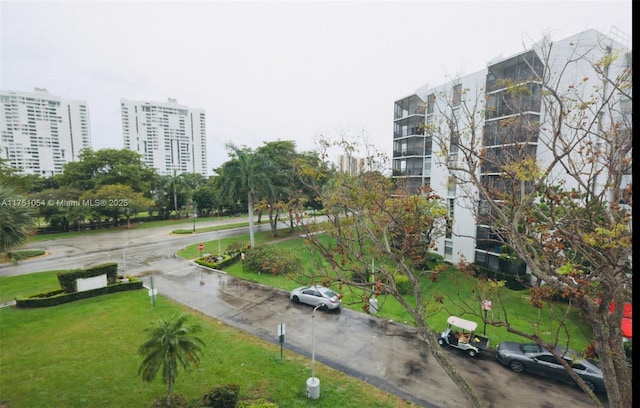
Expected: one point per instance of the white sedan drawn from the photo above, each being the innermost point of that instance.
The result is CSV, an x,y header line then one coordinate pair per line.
x,y
316,295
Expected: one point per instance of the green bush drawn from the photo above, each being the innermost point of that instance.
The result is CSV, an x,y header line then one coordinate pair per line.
x,y
59,296
403,284
236,247
514,280
222,396
218,262
68,279
628,351
270,259
182,231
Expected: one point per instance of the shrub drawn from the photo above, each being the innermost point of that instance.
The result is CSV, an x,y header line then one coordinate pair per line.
x,y
59,296
222,396
218,262
514,280
628,351
403,284
236,247
182,231
269,259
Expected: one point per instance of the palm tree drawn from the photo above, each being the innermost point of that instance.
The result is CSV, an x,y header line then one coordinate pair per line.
x,y
171,182
170,341
17,221
247,172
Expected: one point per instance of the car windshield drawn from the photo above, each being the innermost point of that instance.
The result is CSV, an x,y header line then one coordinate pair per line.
x,y
329,293
530,348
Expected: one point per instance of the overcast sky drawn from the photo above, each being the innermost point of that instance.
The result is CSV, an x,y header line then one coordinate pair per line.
x,y
267,70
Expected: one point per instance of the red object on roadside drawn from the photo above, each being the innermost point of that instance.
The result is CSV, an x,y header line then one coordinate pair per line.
x,y
627,323
626,327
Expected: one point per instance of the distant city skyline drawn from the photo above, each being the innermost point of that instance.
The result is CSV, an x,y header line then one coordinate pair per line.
x,y
265,71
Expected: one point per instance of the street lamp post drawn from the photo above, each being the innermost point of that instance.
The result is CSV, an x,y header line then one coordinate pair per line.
x,y
195,214
313,384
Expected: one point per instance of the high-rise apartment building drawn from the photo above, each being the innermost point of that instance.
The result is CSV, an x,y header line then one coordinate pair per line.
x,y
421,160
172,138
40,132
350,165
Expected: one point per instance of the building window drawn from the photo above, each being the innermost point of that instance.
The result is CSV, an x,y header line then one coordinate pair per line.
x,y
457,95
449,225
431,102
448,250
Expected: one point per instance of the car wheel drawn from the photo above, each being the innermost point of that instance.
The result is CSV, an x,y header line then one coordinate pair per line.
x,y
441,341
471,353
516,366
296,299
591,386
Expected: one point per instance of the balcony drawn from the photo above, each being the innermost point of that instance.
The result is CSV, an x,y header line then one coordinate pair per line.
x,y
409,106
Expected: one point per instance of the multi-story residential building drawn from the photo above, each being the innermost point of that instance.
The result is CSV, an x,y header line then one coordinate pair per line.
x,y
40,133
419,160
172,138
350,165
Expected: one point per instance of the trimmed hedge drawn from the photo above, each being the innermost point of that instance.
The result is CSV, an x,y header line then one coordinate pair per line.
x,y
68,279
59,296
212,261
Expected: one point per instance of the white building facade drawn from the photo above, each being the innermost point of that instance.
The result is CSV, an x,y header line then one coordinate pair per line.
x,y
40,133
350,165
419,160
172,138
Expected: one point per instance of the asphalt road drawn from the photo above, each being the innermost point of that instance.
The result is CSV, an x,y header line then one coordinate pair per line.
x,y
386,354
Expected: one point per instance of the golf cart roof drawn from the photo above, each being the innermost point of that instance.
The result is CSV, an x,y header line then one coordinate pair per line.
x,y
462,323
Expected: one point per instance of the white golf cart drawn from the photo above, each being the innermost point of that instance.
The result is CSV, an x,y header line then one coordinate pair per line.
x,y
460,334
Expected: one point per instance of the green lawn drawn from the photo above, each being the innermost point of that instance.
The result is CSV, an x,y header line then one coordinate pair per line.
x,y
454,288
145,225
84,354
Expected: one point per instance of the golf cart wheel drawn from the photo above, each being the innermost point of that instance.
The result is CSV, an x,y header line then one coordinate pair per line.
x,y
441,341
471,352
516,366
296,299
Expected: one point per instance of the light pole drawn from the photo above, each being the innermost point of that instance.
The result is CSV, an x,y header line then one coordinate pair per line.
x,y
195,214
313,384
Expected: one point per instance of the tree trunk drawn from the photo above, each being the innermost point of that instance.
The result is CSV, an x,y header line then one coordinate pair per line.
x,y
451,370
613,361
250,209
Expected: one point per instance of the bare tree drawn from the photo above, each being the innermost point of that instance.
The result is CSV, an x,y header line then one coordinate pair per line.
x,y
376,241
543,157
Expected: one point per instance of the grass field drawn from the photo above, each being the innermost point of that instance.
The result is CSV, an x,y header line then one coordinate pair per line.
x,y
454,288
84,354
